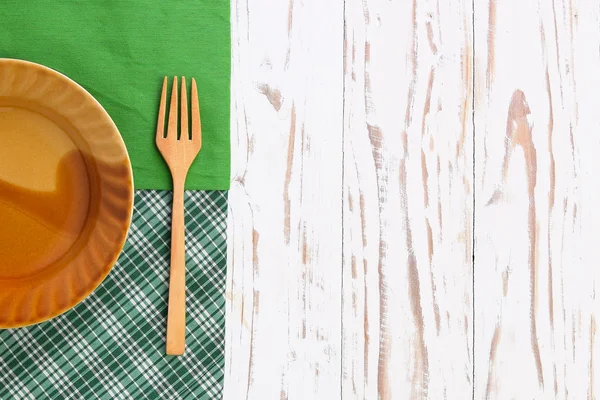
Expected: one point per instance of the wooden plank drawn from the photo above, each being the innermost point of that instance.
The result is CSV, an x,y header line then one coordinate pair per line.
x,y
284,273
537,196
407,293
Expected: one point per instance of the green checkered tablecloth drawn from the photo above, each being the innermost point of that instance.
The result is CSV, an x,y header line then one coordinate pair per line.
x,y
112,345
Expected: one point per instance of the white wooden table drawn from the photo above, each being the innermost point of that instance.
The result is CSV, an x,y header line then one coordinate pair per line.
x,y
414,202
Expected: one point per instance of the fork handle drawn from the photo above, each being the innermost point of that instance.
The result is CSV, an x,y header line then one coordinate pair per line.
x,y
176,314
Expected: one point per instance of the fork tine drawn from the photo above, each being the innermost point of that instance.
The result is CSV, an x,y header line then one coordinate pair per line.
x,y
184,129
196,127
172,127
160,125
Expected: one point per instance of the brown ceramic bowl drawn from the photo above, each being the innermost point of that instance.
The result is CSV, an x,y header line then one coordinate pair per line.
x,y
66,193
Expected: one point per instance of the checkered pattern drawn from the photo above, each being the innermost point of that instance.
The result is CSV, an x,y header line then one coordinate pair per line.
x,y
112,345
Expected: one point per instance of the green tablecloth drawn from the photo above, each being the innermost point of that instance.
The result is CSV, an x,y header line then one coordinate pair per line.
x,y
112,345
120,52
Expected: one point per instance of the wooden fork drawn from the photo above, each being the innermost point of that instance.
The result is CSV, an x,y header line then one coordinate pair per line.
x,y
179,149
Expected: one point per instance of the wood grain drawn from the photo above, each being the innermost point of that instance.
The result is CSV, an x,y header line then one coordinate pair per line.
x,y
285,223
351,226
536,124
407,293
